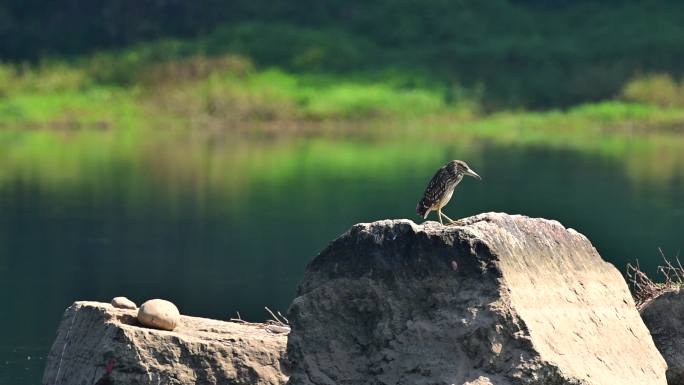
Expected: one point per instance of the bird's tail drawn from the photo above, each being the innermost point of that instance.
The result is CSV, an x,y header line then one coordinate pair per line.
x,y
422,209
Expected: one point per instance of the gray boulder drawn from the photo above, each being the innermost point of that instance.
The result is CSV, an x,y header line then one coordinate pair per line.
x,y
96,338
664,317
497,299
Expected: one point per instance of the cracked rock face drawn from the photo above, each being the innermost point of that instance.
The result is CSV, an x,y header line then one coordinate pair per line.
x,y
664,317
497,299
95,338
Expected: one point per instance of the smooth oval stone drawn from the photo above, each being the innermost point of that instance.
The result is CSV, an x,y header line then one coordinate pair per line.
x,y
123,303
159,314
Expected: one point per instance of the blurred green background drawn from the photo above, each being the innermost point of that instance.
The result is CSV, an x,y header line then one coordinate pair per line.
x,y
205,151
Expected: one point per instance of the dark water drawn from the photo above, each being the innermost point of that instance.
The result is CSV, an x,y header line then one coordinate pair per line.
x,y
220,229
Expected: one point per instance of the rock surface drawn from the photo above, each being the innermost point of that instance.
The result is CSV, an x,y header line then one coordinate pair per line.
x,y
123,303
199,351
664,317
496,300
159,313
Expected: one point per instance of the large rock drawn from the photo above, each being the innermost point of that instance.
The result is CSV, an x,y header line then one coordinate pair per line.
x,y
664,317
198,351
496,300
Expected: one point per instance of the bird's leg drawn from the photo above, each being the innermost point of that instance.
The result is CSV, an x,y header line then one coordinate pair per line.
x,y
439,212
450,220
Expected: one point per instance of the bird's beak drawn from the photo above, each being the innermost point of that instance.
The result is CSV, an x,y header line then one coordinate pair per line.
x,y
473,174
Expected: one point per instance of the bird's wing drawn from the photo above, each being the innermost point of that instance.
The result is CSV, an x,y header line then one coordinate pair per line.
x,y
435,188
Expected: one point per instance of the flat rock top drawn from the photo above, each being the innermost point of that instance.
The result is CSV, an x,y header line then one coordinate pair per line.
x,y
189,328
525,245
93,335
501,220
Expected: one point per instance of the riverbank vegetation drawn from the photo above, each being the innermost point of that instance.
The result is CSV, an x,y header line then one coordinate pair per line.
x,y
511,53
229,90
471,65
507,73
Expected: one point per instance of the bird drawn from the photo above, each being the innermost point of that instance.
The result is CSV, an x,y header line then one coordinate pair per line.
x,y
441,188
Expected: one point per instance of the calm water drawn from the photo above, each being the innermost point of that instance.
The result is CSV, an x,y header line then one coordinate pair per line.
x,y
229,226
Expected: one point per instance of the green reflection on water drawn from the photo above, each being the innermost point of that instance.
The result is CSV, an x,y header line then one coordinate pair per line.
x,y
226,223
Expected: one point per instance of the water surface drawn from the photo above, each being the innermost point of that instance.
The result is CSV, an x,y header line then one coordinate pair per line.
x,y
226,225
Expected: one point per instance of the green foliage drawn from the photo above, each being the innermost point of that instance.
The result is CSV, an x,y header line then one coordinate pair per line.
x,y
292,47
513,54
274,95
659,89
65,121
55,94
165,83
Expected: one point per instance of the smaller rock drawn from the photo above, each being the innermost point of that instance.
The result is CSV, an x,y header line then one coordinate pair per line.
x,y
159,314
123,303
663,318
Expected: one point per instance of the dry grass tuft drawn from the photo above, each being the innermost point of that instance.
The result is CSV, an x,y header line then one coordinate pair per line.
x,y
645,290
278,324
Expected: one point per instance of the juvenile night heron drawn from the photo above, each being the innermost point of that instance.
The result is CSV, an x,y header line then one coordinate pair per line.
x,y
441,188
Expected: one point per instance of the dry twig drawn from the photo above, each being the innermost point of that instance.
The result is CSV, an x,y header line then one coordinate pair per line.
x,y
645,290
283,322
278,324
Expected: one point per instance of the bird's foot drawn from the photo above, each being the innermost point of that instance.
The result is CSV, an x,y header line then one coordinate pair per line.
x,y
458,222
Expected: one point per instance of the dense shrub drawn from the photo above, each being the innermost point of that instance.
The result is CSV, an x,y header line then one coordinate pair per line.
x,y
660,89
529,53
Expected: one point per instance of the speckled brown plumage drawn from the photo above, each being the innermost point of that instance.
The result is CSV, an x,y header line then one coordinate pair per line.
x,y
441,187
